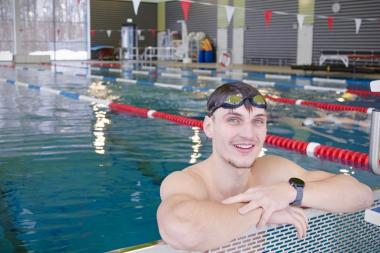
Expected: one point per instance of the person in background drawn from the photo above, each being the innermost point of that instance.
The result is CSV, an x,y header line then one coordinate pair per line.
x,y
217,200
344,121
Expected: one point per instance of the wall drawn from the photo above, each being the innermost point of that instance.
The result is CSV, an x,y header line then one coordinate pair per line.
x,y
279,39
109,15
343,34
201,18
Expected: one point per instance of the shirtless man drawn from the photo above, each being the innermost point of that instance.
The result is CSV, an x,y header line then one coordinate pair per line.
x,y
217,200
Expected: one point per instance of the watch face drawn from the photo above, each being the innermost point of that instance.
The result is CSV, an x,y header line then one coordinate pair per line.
x,y
296,181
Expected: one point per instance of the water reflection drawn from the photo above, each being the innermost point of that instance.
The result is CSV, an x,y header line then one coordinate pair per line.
x,y
99,126
197,143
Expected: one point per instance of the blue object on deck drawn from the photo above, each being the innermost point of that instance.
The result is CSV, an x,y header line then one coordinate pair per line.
x,y
201,56
209,56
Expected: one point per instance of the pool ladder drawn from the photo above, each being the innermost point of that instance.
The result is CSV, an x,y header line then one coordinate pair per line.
x,y
374,143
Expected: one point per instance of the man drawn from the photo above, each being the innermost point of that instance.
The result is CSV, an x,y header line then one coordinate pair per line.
x,y
210,203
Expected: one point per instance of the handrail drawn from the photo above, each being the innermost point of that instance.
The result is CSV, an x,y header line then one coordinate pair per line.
x,y
160,53
374,144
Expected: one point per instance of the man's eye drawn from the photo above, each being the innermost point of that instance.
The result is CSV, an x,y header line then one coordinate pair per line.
x,y
260,122
233,121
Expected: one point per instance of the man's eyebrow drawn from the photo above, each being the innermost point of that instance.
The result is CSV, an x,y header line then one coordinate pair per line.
x,y
261,115
232,113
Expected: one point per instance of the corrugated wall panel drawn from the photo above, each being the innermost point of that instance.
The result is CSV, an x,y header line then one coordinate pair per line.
x,y
343,36
109,15
202,18
279,40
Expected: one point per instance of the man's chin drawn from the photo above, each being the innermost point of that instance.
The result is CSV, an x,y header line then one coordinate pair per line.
x,y
240,165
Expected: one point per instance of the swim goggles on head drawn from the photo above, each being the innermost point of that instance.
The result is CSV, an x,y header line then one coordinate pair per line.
x,y
237,100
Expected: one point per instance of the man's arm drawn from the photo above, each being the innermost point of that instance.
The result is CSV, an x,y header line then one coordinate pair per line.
x,y
187,220
324,191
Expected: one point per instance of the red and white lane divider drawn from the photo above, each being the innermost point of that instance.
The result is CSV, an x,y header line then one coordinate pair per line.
x,y
321,105
358,160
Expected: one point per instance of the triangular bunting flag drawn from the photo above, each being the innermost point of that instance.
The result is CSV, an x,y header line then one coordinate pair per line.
x,y
268,16
358,23
136,4
230,12
78,2
153,32
93,32
109,33
300,19
185,4
330,22
139,32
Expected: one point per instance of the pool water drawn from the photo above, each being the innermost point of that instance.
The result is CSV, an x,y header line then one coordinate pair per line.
x,y
75,177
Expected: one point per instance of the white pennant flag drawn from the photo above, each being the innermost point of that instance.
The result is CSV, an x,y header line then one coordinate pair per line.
x,y
300,19
358,23
136,4
230,12
109,33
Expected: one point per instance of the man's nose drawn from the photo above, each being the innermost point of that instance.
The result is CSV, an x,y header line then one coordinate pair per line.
x,y
248,131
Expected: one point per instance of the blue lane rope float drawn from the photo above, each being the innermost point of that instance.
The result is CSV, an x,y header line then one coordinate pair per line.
x,y
67,94
192,74
257,74
279,85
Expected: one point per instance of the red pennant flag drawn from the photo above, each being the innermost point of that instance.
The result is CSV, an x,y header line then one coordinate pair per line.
x,y
268,16
330,22
78,2
153,32
93,32
185,8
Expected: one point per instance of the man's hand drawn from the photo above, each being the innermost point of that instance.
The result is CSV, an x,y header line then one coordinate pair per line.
x,y
291,215
271,198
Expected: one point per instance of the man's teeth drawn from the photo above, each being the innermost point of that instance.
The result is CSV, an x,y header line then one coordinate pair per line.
x,y
246,146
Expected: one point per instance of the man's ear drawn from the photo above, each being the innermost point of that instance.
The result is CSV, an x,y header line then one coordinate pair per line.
x,y
207,126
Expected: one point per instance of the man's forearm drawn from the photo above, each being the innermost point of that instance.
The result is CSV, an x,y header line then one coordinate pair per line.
x,y
340,193
202,225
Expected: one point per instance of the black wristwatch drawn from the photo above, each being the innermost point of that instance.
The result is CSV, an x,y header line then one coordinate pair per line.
x,y
299,185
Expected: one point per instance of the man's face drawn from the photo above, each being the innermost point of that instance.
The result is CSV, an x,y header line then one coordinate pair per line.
x,y
238,134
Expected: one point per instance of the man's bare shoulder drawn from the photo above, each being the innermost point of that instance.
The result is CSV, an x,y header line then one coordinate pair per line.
x,y
272,169
185,182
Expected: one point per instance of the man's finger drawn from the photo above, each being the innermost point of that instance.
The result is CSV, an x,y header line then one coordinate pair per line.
x,y
242,197
236,199
248,207
265,217
298,216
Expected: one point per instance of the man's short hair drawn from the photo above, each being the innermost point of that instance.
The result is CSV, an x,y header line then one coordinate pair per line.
x,y
220,94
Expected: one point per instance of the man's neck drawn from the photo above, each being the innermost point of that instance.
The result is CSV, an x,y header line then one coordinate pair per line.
x,y
227,179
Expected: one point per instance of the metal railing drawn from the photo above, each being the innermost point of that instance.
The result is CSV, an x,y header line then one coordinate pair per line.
x,y
131,53
160,53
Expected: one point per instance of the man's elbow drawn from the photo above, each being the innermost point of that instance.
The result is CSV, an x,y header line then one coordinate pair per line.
x,y
367,196
177,232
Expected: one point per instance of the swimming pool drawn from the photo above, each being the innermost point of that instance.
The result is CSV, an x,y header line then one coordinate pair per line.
x,y
80,178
